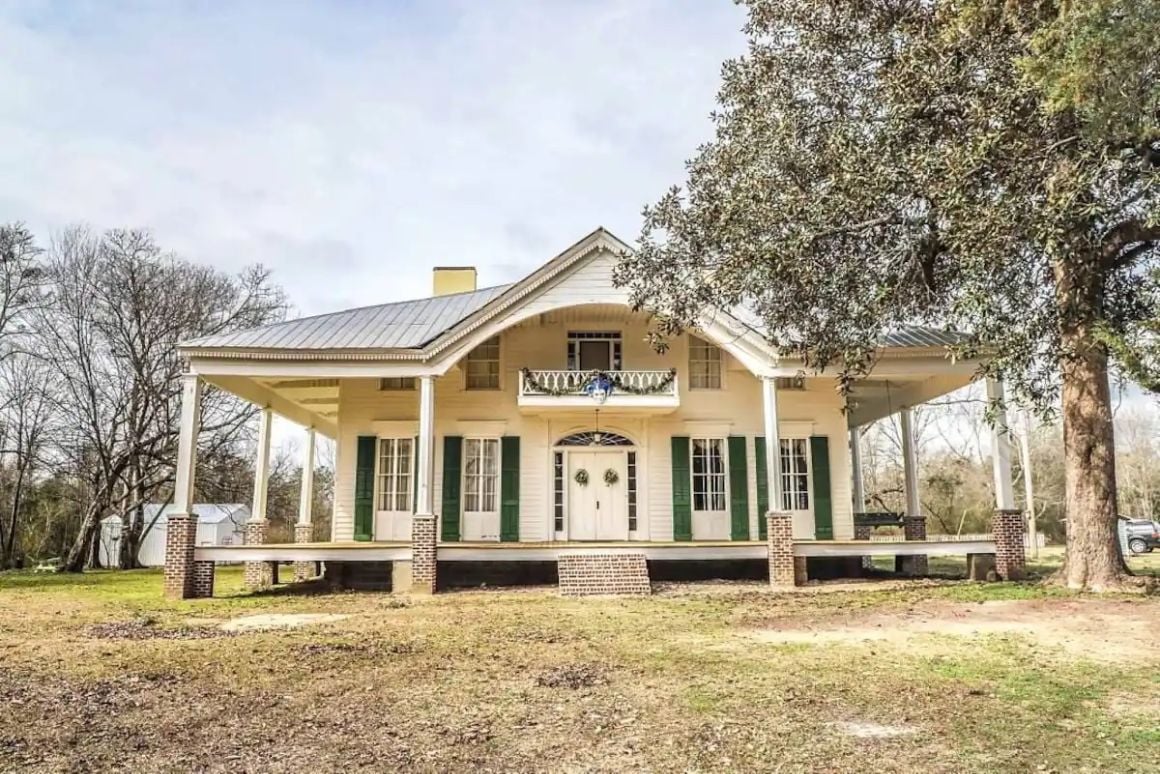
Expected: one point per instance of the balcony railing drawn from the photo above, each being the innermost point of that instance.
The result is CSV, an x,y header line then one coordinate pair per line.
x,y
598,385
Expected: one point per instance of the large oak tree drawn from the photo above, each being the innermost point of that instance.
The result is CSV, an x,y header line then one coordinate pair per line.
x,y
991,167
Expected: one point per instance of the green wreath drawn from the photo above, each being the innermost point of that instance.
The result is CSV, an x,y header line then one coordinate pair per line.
x,y
581,477
611,477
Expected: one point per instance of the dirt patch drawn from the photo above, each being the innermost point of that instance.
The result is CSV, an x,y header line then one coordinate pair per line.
x,y
860,729
1102,630
257,623
573,676
145,629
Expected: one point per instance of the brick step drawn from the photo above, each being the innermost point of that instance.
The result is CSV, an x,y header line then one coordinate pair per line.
x,y
584,574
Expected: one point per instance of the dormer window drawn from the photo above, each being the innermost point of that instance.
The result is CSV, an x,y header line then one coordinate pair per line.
x,y
483,366
704,365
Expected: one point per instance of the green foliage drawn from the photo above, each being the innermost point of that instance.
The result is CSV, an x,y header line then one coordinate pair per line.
x,y
971,165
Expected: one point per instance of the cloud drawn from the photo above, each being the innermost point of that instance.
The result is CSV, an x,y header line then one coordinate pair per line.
x,y
352,146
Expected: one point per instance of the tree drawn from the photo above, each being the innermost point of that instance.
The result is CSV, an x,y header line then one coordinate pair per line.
x,y
991,167
119,306
26,421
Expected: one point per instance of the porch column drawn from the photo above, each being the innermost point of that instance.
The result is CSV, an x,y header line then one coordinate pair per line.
x,y
185,578
1007,525
913,522
260,575
303,530
423,524
858,564
783,570
858,486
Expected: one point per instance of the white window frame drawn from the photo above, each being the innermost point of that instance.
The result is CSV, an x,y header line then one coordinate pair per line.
x,y
796,475
395,475
706,359
475,357
711,492
615,340
484,442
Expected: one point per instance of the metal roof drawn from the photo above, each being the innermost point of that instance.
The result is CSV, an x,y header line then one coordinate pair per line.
x,y
399,325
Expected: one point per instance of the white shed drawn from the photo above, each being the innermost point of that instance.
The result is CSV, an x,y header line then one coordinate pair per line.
x,y
218,524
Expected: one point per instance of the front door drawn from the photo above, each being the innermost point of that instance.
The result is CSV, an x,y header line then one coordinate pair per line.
x,y
394,483
595,355
597,495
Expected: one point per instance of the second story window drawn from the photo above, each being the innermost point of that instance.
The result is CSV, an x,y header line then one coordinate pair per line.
x,y
395,383
483,366
704,365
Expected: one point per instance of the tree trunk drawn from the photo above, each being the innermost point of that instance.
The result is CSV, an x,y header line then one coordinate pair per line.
x,y
1093,561
81,550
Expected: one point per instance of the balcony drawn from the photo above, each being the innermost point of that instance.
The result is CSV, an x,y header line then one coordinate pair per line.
x,y
624,391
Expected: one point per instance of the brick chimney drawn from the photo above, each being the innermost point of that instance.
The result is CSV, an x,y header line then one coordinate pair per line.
x,y
453,279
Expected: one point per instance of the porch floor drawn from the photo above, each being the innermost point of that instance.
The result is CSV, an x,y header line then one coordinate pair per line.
x,y
704,550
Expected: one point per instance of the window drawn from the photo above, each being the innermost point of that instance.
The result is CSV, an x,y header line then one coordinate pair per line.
x,y
558,490
708,474
632,491
480,474
795,479
790,382
594,351
483,366
393,383
395,474
704,365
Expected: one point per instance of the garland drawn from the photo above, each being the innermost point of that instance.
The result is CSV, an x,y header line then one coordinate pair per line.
x,y
600,380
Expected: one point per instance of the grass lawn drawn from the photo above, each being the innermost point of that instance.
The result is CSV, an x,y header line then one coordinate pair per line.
x,y
907,676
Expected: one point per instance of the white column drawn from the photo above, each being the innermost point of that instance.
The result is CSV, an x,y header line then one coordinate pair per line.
x,y
262,466
859,491
1028,484
910,463
772,443
426,451
187,443
1001,449
306,495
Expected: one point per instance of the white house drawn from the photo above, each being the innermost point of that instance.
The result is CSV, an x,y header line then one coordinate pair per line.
x,y
218,524
535,416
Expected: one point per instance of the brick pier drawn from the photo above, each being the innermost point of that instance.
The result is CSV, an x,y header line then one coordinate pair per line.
x,y
783,571
1007,528
424,564
257,575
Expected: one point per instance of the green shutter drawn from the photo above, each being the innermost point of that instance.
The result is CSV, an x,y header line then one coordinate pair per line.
x,y
762,484
738,489
452,484
364,489
823,502
682,500
509,489
415,475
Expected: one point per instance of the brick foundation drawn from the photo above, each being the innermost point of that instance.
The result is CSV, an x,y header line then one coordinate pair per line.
x,y
424,563
913,528
584,575
303,571
180,539
257,575
1007,528
779,532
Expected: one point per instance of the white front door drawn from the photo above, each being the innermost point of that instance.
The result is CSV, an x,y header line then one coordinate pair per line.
x,y
710,490
393,484
795,486
481,489
598,509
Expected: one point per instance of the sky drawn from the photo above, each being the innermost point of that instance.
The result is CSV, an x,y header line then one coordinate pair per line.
x,y
351,146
